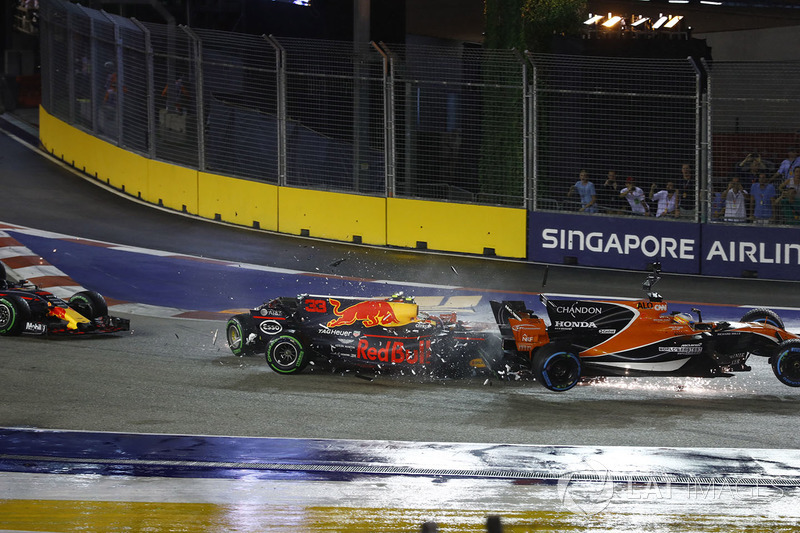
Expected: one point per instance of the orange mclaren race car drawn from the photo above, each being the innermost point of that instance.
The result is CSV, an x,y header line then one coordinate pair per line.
x,y
589,338
24,308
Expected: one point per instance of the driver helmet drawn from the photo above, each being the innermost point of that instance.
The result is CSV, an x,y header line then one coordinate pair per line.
x,y
684,319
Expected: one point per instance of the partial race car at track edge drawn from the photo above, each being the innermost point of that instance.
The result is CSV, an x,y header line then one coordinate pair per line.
x,y
592,338
378,334
27,309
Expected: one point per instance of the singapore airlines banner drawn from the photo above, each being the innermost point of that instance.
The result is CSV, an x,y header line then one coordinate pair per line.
x,y
681,247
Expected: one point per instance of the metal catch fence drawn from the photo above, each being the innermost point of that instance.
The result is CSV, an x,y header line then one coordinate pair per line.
x,y
453,123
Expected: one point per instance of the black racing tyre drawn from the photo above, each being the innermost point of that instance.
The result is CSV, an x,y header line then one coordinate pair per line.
x,y
89,303
237,330
558,368
786,362
768,316
286,355
14,314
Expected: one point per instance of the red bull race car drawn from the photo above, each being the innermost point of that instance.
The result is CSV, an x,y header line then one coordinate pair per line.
x,y
379,334
26,309
591,338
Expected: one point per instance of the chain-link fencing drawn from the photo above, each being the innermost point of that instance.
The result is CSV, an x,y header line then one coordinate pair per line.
x,y
619,120
450,123
754,127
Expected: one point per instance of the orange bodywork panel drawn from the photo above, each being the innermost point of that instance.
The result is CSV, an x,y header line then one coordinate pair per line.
x,y
529,333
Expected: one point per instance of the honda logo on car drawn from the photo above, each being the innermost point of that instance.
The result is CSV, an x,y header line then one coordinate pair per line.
x,y
270,327
566,324
395,352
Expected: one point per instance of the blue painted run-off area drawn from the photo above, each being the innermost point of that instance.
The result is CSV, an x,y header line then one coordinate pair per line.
x,y
185,283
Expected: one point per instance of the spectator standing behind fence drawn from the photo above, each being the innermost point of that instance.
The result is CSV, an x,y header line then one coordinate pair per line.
x,y
762,197
635,197
686,186
793,182
609,195
787,207
717,204
750,167
735,210
668,200
587,193
787,166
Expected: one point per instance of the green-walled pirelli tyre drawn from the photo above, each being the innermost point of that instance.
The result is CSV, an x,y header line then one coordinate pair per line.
x,y
767,316
786,362
89,303
238,330
558,368
286,355
14,314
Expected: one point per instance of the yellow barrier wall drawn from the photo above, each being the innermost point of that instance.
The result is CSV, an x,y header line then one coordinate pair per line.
x,y
108,163
331,215
456,227
441,226
238,201
172,186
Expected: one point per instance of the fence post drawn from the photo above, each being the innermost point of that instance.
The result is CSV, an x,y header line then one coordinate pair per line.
x,y
388,119
197,52
151,102
527,151
280,72
120,92
699,188
534,134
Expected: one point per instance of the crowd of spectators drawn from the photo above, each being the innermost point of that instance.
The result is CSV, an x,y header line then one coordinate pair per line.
x,y
757,192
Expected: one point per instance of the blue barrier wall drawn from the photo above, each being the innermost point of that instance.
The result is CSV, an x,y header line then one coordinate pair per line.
x,y
682,247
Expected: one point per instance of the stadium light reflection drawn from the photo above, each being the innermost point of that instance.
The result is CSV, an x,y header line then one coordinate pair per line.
x,y
660,22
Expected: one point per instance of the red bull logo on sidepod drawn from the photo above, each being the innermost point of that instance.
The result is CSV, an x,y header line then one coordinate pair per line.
x,y
370,313
396,352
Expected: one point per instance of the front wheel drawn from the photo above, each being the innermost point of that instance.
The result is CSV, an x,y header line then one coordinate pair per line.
x,y
558,368
238,331
286,355
14,314
90,304
786,362
767,316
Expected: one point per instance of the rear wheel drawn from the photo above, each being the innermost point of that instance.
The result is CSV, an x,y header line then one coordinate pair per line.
x,y
786,362
558,368
90,304
766,316
237,331
286,355
14,314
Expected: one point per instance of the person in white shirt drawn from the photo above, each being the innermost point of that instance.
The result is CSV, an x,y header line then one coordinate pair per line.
x,y
668,200
735,205
635,197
